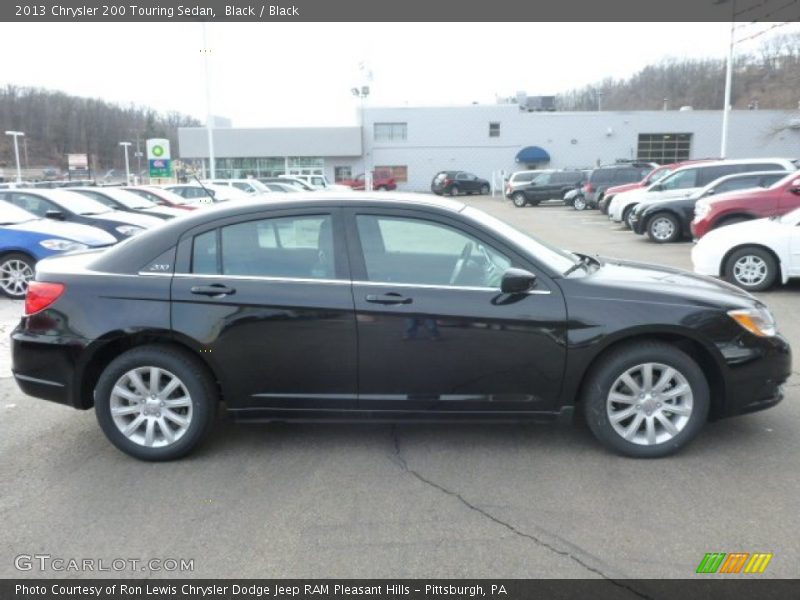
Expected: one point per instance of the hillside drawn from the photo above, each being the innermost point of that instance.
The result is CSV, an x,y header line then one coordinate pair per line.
x,y
56,124
769,79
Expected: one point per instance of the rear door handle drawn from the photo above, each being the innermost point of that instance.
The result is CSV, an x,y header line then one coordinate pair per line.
x,y
390,298
215,290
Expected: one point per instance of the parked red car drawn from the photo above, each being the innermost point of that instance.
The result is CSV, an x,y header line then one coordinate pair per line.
x,y
381,180
744,205
649,179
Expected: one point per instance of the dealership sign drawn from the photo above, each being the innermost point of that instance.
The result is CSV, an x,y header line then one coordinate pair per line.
x,y
158,158
77,162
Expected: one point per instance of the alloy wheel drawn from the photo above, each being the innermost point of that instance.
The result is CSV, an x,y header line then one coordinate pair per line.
x,y
663,228
151,406
14,277
750,270
649,404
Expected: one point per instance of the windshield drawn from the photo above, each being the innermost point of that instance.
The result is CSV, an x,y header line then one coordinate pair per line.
x,y
555,258
11,215
77,202
658,175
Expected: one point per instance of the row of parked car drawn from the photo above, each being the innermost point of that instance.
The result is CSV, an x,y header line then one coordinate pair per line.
x,y
743,214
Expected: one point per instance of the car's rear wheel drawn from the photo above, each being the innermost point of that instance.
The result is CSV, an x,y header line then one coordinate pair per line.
x,y
382,188
626,216
663,228
484,190
579,203
519,200
155,402
16,270
751,268
646,400
454,191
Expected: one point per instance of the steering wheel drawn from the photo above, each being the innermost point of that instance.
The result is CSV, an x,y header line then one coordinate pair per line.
x,y
462,260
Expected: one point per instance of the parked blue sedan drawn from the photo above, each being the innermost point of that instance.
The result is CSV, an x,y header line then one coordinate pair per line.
x,y
26,239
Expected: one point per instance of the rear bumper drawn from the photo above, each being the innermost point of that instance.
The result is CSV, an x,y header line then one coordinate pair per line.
x,y
46,366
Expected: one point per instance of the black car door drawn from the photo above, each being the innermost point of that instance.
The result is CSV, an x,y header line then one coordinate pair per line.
x,y
267,297
435,332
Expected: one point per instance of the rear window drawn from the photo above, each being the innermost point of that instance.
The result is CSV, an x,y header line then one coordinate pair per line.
x,y
522,177
602,176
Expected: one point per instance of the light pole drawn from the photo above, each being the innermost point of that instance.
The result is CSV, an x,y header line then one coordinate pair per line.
x,y
362,93
127,164
209,124
16,135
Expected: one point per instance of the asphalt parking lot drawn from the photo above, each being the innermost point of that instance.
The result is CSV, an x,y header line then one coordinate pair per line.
x,y
508,501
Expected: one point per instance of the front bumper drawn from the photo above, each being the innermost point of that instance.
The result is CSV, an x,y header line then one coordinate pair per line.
x,y
637,223
758,370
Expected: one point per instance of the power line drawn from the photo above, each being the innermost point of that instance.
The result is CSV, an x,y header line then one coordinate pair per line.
x,y
767,15
762,32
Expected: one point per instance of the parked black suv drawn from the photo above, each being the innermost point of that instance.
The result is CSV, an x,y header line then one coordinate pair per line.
x,y
608,176
454,183
547,185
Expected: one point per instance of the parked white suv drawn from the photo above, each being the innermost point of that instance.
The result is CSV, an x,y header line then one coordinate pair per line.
x,y
321,182
685,181
248,186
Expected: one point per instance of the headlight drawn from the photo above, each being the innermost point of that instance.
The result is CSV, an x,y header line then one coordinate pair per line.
x,y
758,321
62,245
129,229
701,209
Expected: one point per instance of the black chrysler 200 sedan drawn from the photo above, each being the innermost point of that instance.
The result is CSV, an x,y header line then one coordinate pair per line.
x,y
371,308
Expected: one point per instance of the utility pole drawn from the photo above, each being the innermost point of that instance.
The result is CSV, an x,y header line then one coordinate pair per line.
x,y
209,118
127,164
726,109
16,135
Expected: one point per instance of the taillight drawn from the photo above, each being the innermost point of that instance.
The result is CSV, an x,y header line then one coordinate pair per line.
x,y
588,188
447,182
42,294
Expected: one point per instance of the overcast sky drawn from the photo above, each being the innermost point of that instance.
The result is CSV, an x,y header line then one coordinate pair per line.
x,y
268,74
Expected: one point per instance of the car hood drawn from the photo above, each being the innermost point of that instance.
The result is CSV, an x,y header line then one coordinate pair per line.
x,y
668,283
760,229
626,187
127,218
167,211
76,232
652,203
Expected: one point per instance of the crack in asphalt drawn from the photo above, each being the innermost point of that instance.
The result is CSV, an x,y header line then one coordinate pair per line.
x,y
399,460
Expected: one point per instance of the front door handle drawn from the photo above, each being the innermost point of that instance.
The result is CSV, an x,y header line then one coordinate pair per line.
x,y
390,298
215,290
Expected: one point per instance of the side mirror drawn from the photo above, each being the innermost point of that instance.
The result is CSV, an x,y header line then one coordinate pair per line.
x,y
657,188
517,281
54,214
711,192
795,188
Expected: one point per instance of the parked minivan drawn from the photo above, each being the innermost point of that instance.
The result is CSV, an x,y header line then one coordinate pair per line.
x,y
608,176
685,181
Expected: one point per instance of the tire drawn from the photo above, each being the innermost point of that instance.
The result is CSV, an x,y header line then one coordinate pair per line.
x,y
751,268
382,188
519,200
626,214
484,190
16,270
454,190
194,383
579,203
631,359
663,228
602,204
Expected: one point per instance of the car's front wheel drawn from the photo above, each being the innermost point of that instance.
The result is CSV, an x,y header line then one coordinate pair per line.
x,y
16,270
663,228
155,402
752,268
579,203
519,200
454,191
646,400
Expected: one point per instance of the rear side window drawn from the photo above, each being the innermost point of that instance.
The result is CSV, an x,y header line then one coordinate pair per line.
x,y
522,177
204,253
628,176
602,176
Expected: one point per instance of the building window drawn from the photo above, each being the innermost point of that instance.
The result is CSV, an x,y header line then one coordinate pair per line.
x,y
342,173
398,172
390,132
664,148
494,129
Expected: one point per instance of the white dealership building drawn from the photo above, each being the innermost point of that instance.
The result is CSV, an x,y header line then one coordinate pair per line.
x,y
414,143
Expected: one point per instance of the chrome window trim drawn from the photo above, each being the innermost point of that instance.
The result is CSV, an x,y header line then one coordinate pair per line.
x,y
423,286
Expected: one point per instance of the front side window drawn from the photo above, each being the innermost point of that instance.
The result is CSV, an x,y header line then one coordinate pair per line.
x,y
292,247
680,180
416,251
33,204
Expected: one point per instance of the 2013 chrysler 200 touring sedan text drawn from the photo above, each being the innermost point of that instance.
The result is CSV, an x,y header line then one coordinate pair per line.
x,y
386,309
